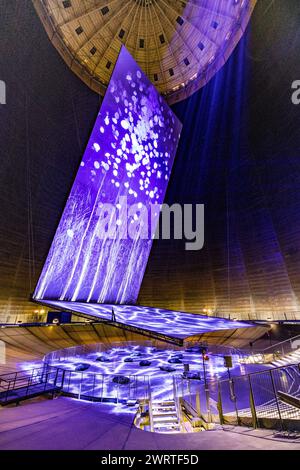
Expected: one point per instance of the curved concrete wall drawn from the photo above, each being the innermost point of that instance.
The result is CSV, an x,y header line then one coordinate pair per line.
x,y
31,343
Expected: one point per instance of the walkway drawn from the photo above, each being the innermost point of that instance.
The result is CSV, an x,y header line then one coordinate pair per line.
x,y
65,423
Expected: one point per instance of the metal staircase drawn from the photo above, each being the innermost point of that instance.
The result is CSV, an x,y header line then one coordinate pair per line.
x,y
279,354
164,417
23,385
291,358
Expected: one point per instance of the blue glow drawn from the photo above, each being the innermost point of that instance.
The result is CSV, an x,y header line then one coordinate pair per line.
x,y
129,155
161,382
173,324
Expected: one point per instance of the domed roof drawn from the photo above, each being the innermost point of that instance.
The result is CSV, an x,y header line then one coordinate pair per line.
x,y
179,44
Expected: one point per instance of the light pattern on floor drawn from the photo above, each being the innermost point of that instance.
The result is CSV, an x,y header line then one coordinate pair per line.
x,y
168,322
100,369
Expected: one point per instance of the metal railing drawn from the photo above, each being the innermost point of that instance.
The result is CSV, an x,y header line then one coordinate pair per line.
x,y
83,350
20,385
150,410
178,405
215,349
99,386
282,347
106,387
272,352
81,385
254,399
251,400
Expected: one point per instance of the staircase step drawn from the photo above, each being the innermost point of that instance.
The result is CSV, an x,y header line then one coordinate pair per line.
x,y
165,419
167,426
168,419
165,402
168,430
164,413
173,431
163,407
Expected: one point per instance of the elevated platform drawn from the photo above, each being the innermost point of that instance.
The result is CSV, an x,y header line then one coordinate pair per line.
x,y
26,393
166,325
24,385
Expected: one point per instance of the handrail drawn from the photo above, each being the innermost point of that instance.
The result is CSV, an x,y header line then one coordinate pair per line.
x,y
255,397
251,374
26,373
150,408
101,348
177,405
254,351
259,372
33,382
63,376
90,348
281,342
289,399
17,376
23,371
215,348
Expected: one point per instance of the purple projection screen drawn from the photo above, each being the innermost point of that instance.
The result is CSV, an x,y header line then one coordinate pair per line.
x,y
126,165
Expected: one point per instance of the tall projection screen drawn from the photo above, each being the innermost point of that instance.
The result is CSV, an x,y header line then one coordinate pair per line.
x,y
127,165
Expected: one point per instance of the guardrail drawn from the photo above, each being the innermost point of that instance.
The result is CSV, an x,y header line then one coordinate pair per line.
x,y
82,350
106,387
82,385
85,349
257,399
282,347
18,386
251,400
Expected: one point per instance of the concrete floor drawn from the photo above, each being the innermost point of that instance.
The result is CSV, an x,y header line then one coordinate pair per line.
x,y
67,424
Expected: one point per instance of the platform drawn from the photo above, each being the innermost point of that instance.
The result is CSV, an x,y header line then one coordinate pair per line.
x,y
167,325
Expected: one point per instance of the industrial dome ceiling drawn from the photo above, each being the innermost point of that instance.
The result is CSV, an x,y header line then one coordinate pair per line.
x,y
180,45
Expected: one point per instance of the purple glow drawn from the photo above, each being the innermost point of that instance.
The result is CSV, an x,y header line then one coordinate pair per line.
x,y
130,154
170,323
161,382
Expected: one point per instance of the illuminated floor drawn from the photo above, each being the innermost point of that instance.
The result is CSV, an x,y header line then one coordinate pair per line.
x,y
141,365
171,323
